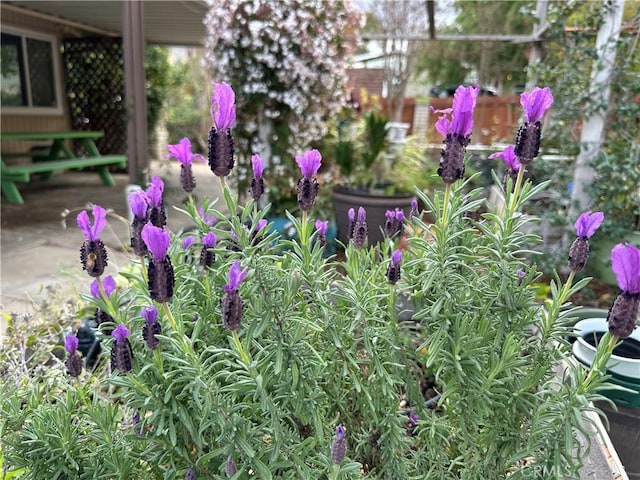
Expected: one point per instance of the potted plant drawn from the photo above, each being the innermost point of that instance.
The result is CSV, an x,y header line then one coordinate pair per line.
x,y
366,171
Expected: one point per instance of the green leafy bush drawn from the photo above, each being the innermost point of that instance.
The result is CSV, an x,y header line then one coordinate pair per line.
x,y
462,386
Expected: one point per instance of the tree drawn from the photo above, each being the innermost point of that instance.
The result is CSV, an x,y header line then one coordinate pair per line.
x,y
287,62
493,63
396,18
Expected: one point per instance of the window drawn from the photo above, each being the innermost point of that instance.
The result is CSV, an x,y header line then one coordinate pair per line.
x,y
29,80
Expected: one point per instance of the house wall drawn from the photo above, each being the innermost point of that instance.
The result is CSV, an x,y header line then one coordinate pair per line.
x,y
34,122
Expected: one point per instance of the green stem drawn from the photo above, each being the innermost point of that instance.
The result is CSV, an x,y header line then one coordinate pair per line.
x,y
103,293
241,351
599,365
516,190
158,358
335,470
567,286
445,207
172,321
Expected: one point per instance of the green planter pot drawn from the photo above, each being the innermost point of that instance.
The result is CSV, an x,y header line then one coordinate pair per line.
x,y
599,265
375,205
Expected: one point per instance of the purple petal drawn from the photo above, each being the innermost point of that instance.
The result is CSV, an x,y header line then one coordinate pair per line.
x,y
340,432
210,220
309,163
154,192
399,215
71,344
625,263
464,102
150,314
396,257
587,223
509,157
236,276
157,240
443,126
262,223
187,242
181,151
390,214
138,203
209,240
108,283
414,203
120,333
223,106
256,164
362,214
321,227
92,232
351,213
536,103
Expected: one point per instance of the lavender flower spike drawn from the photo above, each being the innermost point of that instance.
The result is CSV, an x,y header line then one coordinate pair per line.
x,y
339,446
309,164
207,256
587,223
223,106
536,103
182,152
157,214
625,262
321,228
139,207
151,327
93,254
161,275
230,467
257,182
74,361
393,270
121,351
360,229
231,301
585,226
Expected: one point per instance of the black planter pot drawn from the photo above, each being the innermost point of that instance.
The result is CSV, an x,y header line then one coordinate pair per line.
x,y
376,206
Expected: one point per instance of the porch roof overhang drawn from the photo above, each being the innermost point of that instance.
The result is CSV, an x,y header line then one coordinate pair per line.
x,y
177,22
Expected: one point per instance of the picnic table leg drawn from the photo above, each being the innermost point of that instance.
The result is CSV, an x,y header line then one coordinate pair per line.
x,y
106,177
10,190
90,146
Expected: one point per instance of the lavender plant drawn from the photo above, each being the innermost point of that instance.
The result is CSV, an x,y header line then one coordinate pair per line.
x,y
269,360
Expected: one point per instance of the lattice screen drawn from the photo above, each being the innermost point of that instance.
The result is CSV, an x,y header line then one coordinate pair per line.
x,y
94,73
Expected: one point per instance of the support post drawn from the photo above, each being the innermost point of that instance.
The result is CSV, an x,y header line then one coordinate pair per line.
x,y
134,87
593,127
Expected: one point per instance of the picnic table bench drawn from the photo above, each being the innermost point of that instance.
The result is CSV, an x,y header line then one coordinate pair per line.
x,y
53,156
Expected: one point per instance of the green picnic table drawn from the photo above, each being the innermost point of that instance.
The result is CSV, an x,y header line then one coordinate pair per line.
x,y
54,155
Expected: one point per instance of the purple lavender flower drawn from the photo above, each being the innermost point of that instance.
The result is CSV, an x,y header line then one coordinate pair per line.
x,y
161,276
257,182
207,256
230,467
585,226
108,283
191,474
456,131
394,223
209,220
188,241
321,228
93,253
393,270
351,214
139,207
534,104
414,209
513,165
231,301
121,351
309,164
625,262
74,361
360,229
182,152
223,114
157,214
151,327
339,446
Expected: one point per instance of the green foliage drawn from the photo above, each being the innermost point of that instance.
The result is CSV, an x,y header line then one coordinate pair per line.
x,y
156,64
321,344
